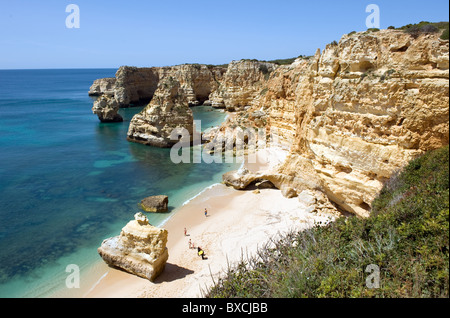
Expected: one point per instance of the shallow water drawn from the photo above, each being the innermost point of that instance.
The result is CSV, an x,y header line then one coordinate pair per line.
x,y
68,181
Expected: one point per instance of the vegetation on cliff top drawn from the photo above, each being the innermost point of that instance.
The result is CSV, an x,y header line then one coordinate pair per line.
x,y
406,236
426,27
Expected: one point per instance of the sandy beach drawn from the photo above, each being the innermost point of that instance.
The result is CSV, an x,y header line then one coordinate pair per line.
x,y
238,222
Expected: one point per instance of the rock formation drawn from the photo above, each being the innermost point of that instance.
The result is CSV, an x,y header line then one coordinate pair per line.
x,y
160,121
103,86
357,112
136,86
241,84
156,203
197,81
106,108
350,116
140,248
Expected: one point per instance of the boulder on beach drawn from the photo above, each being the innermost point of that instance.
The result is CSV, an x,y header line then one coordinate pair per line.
x,y
140,249
156,203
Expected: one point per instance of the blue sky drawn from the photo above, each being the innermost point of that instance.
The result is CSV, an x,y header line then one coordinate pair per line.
x,y
33,34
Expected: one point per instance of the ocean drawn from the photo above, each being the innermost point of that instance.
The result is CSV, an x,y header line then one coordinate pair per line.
x,y
67,181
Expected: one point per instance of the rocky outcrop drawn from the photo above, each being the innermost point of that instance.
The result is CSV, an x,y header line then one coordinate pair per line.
x,y
351,115
133,86
241,84
197,81
106,108
357,112
155,203
103,86
140,248
163,119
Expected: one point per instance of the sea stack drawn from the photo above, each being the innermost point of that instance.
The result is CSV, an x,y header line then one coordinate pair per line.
x,y
168,112
106,108
140,249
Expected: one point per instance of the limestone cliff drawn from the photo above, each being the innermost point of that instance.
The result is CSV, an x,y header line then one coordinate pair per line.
x,y
168,110
136,86
103,86
241,84
350,116
197,81
357,112
133,86
139,249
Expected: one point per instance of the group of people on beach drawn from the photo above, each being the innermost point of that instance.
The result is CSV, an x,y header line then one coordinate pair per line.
x,y
200,251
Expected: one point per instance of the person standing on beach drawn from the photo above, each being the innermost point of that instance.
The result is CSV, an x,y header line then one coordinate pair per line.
x,y
185,232
206,213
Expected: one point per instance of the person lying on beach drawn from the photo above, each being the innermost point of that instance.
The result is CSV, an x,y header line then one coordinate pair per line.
x,y
201,252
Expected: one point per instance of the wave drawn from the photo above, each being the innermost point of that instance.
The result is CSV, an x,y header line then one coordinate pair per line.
x,y
96,283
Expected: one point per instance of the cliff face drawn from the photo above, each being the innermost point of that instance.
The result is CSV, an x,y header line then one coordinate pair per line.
x,y
350,116
103,86
134,86
169,109
197,81
241,84
360,111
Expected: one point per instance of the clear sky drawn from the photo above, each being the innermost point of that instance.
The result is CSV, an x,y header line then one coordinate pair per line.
x,y
33,34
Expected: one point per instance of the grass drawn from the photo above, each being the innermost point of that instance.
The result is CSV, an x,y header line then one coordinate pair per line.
x,y
406,238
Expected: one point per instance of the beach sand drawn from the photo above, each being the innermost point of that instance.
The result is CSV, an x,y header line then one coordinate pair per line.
x,y
238,222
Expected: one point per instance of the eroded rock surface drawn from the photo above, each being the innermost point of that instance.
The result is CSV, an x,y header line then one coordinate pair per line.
x,y
106,108
350,116
168,114
355,113
140,249
155,203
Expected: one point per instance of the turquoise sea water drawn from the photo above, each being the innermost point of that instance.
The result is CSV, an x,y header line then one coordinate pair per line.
x,y
68,181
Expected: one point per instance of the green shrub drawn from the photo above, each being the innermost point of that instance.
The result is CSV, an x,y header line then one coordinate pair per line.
x,y
283,61
444,35
424,27
263,68
406,236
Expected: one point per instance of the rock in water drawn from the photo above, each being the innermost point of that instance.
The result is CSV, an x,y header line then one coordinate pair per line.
x,y
156,203
140,249
163,117
106,108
